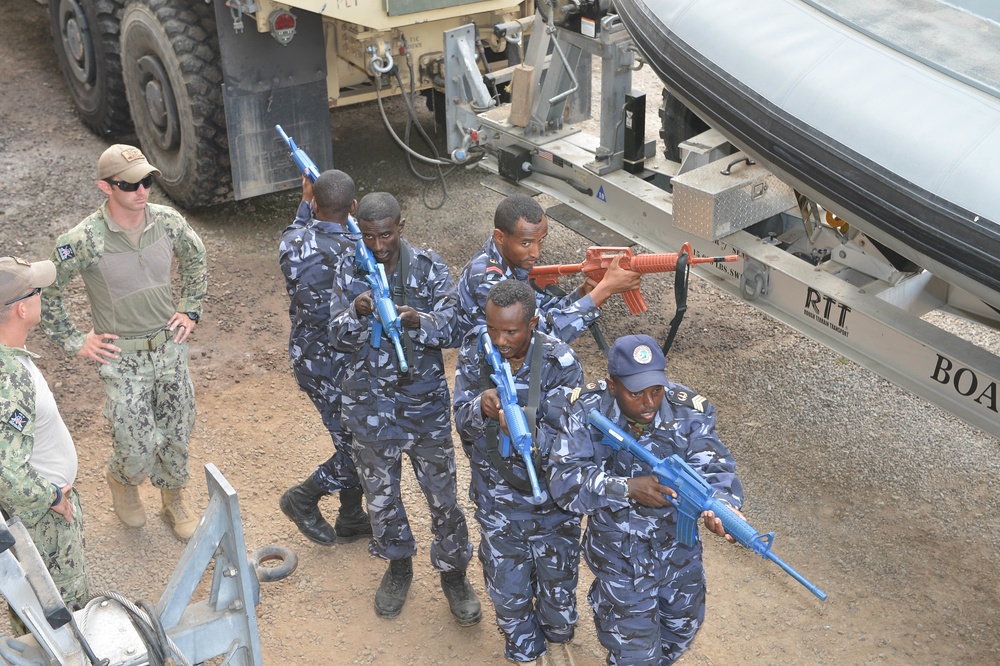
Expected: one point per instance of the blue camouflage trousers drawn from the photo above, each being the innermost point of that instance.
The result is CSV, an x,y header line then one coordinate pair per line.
x,y
150,406
531,569
648,601
338,472
379,466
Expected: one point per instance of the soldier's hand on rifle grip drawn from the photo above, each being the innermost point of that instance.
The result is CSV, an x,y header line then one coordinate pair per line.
x,y
307,190
364,305
715,524
648,491
409,317
615,281
489,404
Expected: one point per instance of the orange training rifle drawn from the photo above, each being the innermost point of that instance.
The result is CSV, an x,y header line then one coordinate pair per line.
x,y
596,263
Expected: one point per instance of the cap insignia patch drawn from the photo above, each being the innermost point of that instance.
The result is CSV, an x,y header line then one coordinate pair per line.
x,y
642,355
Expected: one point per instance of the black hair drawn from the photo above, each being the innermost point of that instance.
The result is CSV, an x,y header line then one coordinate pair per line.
x,y
513,208
509,292
334,193
378,206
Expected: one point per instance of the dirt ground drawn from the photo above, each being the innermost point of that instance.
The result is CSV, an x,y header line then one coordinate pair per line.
x,y
887,503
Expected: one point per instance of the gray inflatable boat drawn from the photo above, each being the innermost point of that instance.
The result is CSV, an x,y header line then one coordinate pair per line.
x,y
886,112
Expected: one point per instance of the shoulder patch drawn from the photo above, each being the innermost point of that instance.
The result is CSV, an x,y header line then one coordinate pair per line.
x,y
592,387
18,420
687,399
65,252
494,268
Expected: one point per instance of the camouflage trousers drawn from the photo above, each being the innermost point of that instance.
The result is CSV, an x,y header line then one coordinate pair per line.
x,y
648,601
61,546
338,472
379,465
150,406
531,570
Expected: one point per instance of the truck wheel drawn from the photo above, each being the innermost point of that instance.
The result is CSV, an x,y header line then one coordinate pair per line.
x,y
85,37
677,124
174,87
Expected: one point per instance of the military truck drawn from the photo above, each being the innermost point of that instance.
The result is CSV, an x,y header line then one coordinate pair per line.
x,y
202,83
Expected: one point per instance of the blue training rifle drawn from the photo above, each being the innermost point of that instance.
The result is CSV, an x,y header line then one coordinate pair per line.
x,y
694,496
517,424
302,161
386,316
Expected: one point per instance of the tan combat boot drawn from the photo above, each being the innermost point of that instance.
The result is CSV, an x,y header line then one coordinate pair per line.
x,y
177,512
128,506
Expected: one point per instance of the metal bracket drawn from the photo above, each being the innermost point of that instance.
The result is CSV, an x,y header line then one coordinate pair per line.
x,y
754,279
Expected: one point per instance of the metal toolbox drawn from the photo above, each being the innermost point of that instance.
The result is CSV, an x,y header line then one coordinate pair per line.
x,y
727,195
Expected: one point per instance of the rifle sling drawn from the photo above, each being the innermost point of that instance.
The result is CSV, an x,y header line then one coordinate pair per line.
x,y
503,466
399,297
681,276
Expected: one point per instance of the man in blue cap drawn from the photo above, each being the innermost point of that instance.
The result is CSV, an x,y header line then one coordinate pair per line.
x,y
648,595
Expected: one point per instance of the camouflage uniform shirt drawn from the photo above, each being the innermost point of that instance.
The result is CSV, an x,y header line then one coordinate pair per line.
x,y
565,318
134,307
489,490
378,402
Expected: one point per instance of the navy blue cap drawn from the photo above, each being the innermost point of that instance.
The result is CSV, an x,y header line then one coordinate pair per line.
x,y
637,362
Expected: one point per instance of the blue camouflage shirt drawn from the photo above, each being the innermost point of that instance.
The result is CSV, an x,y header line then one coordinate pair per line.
x,y
580,465
379,402
308,253
565,318
489,490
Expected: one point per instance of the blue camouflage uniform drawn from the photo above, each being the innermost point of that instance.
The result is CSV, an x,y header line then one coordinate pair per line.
x,y
648,595
530,552
390,414
308,252
563,317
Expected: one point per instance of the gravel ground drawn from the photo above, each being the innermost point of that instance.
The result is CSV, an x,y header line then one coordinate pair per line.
x,y
887,503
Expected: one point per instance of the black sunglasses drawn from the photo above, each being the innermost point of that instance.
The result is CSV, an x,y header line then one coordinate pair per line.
x,y
146,182
33,292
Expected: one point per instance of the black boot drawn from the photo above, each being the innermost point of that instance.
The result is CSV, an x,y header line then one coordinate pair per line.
x,y
391,594
461,598
352,521
301,504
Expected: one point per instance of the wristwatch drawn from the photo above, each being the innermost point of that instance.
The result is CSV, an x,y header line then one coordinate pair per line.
x,y
193,316
617,486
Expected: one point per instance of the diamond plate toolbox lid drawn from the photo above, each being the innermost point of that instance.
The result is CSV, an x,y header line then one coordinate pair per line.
x,y
727,195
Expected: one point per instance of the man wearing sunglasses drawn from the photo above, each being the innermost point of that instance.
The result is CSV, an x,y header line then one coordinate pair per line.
x,y
39,461
124,252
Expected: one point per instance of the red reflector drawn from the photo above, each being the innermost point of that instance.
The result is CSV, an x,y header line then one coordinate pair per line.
x,y
284,21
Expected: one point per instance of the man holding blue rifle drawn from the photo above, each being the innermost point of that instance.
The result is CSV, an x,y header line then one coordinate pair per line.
x,y
391,413
529,547
648,595
307,253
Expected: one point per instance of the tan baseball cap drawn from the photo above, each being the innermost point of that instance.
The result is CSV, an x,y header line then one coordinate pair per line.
x,y
126,162
18,277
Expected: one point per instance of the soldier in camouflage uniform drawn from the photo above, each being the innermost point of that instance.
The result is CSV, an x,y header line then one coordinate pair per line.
x,y
123,252
391,413
308,250
520,227
36,450
648,595
530,550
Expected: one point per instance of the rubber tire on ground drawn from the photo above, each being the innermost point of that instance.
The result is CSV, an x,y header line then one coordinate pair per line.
x,y
174,86
85,39
677,124
289,562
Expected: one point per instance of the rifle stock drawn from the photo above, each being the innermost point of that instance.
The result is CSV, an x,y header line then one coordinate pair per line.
x,y
694,496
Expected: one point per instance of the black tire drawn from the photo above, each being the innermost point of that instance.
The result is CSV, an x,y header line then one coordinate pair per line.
x,y
287,559
174,87
85,38
677,124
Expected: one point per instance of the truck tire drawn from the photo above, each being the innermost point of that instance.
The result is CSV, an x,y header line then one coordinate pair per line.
x,y
677,124
85,38
174,86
